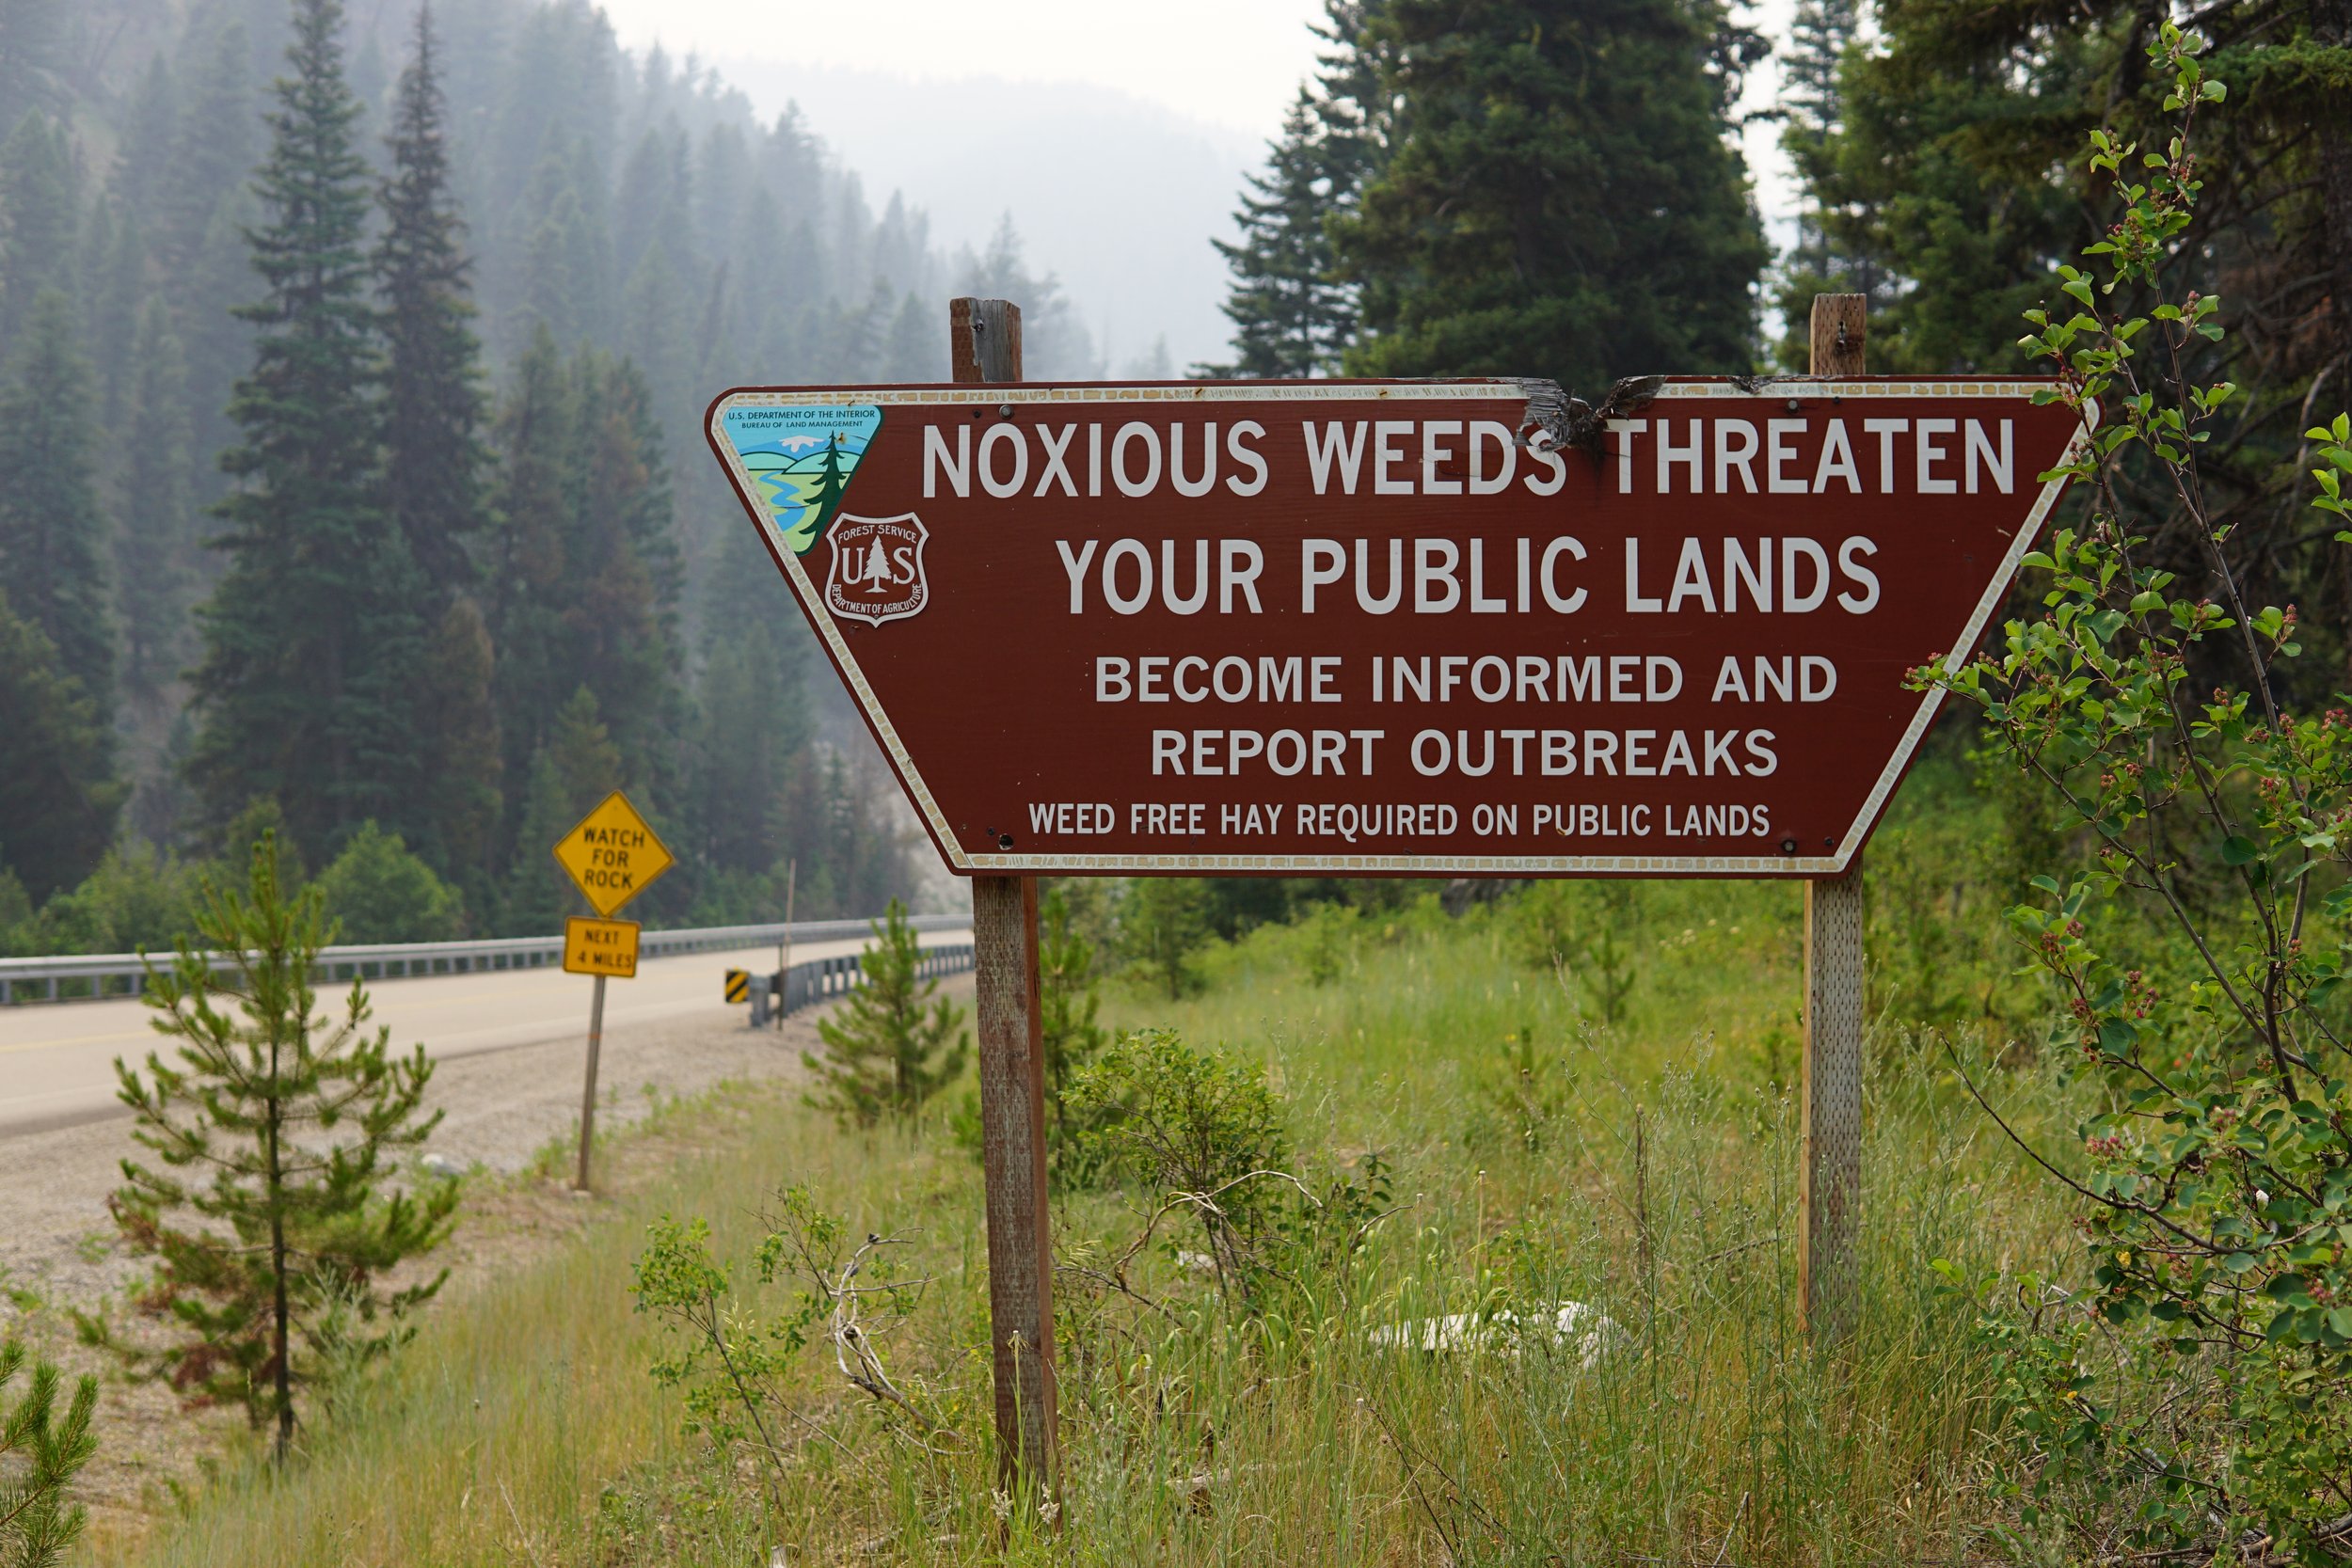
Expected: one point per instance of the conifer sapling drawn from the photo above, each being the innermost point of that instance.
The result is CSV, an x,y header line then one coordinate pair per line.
x,y
270,1212
42,1450
888,1053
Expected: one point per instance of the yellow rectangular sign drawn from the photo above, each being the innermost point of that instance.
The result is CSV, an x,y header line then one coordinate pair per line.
x,y
601,948
612,854
738,985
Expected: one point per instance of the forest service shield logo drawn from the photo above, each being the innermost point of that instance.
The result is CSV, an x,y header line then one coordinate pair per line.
x,y
877,572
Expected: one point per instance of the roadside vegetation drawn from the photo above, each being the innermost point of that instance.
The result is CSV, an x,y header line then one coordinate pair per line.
x,y
1525,1275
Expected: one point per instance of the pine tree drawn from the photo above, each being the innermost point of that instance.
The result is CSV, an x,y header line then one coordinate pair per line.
x,y
1558,163
212,149
59,798
432,399
1819,33
312,634
120,288
831,486
577,767
53,533
622,601
752,713
529,566
457,714
270,1214
1292,316
202,207
155,531
1067,1000
1163,925
550,292
40,218
1292,311
916,351
32,33
654,205
48,1446
658,320
885,1053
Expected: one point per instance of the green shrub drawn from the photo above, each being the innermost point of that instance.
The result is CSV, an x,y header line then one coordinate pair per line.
x,y
1205,1133
2189,1399
1326,942
377,891
733,1350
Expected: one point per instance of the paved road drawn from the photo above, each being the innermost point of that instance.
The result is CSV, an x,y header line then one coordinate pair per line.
x,y
57,1061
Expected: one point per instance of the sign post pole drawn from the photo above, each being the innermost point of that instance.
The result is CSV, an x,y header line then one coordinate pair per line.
x,y
984,346
588,1092
784,945
1829,1199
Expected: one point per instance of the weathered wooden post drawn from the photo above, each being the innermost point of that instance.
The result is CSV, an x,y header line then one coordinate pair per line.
x,y
1829,1194
588,1088
984,346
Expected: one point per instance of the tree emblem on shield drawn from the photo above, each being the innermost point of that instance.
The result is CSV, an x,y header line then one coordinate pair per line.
x,y
877,572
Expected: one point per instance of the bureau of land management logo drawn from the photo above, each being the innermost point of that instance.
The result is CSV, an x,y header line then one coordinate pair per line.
x,y
877,572
799,460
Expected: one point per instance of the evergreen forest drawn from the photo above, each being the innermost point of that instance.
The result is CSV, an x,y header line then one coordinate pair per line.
x,y
352,362
1553,187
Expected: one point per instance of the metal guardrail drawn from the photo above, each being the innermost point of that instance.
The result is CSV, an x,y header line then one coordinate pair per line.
x,y
86,976
816,980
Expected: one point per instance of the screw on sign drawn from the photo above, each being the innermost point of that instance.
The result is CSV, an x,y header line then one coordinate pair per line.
x,y
611,855
1367,628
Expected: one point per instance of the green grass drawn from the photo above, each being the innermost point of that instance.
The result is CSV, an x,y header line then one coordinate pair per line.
x,y
1648,1171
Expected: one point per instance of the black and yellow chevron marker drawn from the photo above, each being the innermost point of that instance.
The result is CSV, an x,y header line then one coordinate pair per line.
x,y
738,985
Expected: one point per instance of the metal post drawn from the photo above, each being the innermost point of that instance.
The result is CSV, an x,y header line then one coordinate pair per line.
x,y
784,943
1829,1197
984,346
588,1093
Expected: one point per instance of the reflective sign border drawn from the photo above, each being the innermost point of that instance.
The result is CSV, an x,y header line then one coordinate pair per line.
x,y
994,393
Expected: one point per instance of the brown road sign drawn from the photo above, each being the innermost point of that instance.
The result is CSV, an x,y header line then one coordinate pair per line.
x,y
601,948
1366,628
612,854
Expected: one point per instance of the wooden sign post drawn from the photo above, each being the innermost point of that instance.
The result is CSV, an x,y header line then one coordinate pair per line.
x,y
984,346
610,855
1829,1189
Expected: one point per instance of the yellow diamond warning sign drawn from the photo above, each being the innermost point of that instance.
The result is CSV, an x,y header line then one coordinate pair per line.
x,y
613,855
601,948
